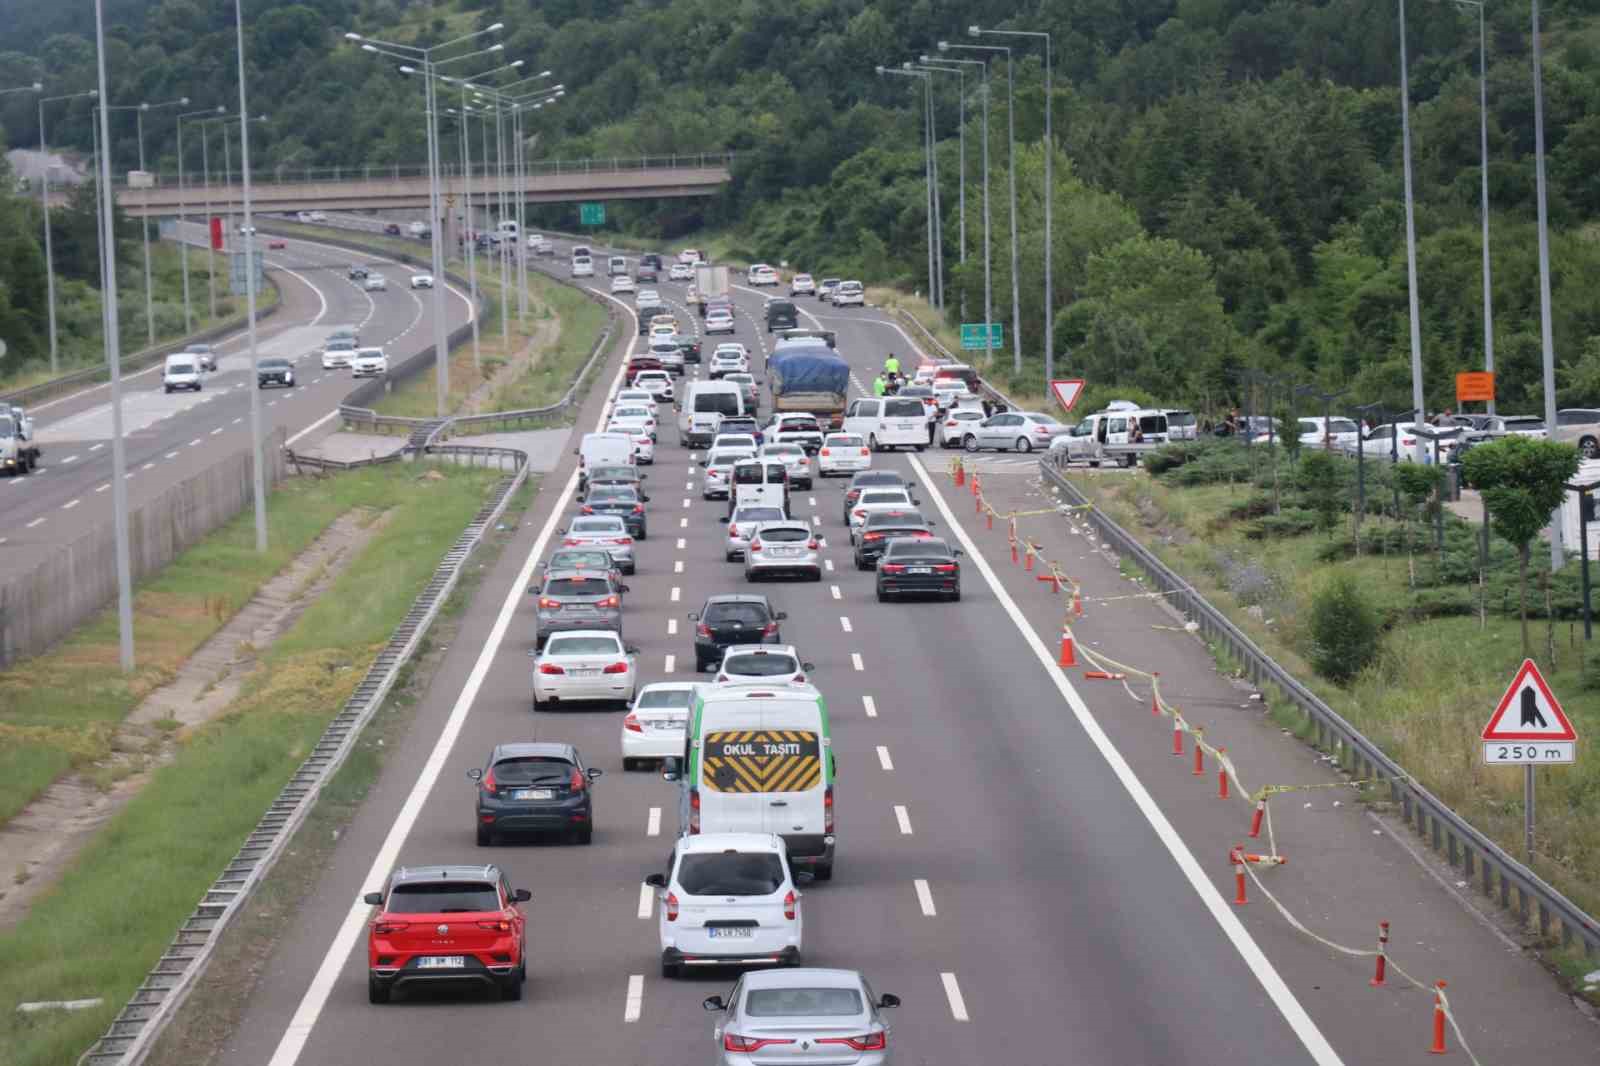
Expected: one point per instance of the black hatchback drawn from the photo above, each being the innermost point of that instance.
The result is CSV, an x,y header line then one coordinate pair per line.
x,y
733,618
534,788
919,566
274,371
624,501
883,526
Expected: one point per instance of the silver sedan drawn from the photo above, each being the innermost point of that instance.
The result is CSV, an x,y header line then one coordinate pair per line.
x,y
782,548
1021,431
607,532
810,1015
742,526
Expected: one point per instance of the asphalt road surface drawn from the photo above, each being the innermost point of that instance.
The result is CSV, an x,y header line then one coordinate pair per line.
x,y
1001,866
170,437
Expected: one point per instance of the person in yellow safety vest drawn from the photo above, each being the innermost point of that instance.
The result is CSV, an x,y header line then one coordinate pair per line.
x,y
879,386
891,365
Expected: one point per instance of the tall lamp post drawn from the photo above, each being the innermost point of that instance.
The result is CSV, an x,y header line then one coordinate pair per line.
x,y
1547,340
936,206
144,222
961,127
1483,184
927,169
44,199
1011,166
1049,194
423,59
1420,415
183,245
988,281
468,239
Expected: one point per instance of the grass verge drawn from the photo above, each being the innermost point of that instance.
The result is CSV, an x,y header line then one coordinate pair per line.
x,y
103,926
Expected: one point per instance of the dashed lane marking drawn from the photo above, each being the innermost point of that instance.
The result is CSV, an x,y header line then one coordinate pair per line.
x,y
102,488
652,825
682,543
855,660
635,1001
148,466
904,820
170,455
674,594
883,758
672,627
925,898
836,593
952,992
216,431
69,459
96,447
35,522
70,504
869,705
677,566
828,565
670,666
195,443
844,624
683,523
647,900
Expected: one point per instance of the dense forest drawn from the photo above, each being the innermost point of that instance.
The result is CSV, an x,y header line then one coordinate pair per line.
x,y
1228,180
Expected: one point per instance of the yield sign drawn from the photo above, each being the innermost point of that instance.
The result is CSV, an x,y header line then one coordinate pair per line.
x,y
1067,392
1529,711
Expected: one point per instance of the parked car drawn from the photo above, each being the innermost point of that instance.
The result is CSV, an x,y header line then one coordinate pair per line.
x,y
1021,431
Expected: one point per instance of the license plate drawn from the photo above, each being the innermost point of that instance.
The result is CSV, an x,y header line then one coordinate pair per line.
x,y
584,673
919,569
786,551
734,933
533,794
442,962
666,727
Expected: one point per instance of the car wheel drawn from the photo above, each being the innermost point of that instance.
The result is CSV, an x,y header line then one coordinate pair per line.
x,y
1589,448
511,990
168,390
872,443
644,533
485,836
629,763
584,835
823,871
955,597
883,597
377,991
816,575
538,704
630,568
671,971
970,443
861,564
1024,444
922,447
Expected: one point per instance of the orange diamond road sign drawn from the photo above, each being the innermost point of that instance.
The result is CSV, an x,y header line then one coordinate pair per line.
x,y
1529,725
1475,387
1067,392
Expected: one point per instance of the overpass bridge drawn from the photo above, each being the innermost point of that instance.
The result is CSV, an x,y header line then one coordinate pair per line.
x,y
376,188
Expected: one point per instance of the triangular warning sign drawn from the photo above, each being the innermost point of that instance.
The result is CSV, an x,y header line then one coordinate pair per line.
x,y
1529,711
1067,392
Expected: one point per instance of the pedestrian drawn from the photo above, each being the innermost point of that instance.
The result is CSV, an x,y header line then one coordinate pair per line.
x,y
879,386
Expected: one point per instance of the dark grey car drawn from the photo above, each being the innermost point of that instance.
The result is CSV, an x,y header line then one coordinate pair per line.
x,y
578,599
624,501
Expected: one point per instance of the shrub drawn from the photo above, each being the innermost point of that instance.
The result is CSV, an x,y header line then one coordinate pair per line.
x,y
1289,522
1344,630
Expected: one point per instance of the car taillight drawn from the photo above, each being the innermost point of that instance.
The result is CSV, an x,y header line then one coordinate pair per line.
x,y
811,544
387,928
631,723
945,568
770,629
826,452
616,668
721,678
865,451
694,810
638,508
788,905
873,536
501,926
702,630
622,540
827,810
864,1042
587,509
570,543
755,545
546,603
550,668
578,782
669,907
735,1042
733,532
489,784
893,568
859,512
922,534
952,424
799,679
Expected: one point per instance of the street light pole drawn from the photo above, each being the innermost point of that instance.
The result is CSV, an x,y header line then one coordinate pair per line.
x,y
44,194
1420,415
927,171
252,256
1483,186
469,239
1547,340
961,112
144,224
988,284
183,245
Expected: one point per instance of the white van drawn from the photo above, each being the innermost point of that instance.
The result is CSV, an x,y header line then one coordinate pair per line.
x,y
507,228
602,449
182,371
1088,440
617,265
888,422
759,483
705,404
416,229
759,759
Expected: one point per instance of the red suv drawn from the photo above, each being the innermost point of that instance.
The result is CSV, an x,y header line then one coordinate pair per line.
x,y
447,924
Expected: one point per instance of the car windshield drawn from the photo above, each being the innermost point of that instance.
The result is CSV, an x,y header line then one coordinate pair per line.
x,y
729,458
730,873
786,534
789,451
876,477
183,368
273,364
7,427
601,493
670,698
893,520
577,560
902,409
844,442
341,346
884,496
597,524
759,514
760,664
576,586
1186,418
802,1002
531,769
800,423
632,412
443,897
751,614
908,551
558,645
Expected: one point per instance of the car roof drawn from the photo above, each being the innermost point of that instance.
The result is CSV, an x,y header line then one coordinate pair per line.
x,y
762,649
574,573
784,523
921,543
802,977
516,751
880,477
561,635
671,686
737,597
717,842
445,872
896,518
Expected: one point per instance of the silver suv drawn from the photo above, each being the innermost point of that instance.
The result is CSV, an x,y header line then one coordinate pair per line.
x,y
579,599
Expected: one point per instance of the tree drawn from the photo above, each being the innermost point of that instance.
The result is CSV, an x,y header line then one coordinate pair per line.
x,y
1416,483
1344,630
1522,482
1320,479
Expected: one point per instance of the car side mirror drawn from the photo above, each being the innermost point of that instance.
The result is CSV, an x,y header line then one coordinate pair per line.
x,y
623,588
887,1000
374,899
562,531
957,551
694,616
644,499
520,895
804,877
702,462
475,774
714,1003
593,772
656,880
781,615
931,522
916,501
808,667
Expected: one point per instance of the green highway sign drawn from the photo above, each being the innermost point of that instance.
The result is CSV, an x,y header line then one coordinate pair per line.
x,y
972,336
592,214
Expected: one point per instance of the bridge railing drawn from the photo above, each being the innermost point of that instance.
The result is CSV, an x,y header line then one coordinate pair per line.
x,y
287,175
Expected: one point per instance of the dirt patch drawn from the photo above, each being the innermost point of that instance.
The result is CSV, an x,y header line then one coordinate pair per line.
x,y
38,844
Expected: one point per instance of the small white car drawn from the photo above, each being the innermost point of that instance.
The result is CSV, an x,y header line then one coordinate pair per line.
x,y
645,297
338,354
1338,434
690,256
633,417
369,362
951,392
622,283
955,425
182,371
783,548
605,532
726,362
802,285
655,724
734,440
583,268
719,320
849,294
729,899
764,664
733,347
584,666
843,453
680,272
761,274
644,445
637,398
656,382
719,470
795,462
422,281
375,283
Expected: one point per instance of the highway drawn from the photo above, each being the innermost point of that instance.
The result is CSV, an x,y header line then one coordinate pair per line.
x,y
1017,859
170,437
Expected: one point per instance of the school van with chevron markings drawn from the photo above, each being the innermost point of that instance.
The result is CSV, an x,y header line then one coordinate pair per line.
x,y
758,758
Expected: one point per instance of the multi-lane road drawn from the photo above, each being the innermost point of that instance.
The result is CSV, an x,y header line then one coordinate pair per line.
x,y
169,437
1015,858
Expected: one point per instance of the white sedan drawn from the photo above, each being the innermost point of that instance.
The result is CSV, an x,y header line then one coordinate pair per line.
x,y
680,272
375,283
657,382
849,294
795,462
622,283
719,320
762,664
727,363
843,453
955,425
655,725
369,362
422,281
638,398
635,417
802,285
584,665
647,297
644,445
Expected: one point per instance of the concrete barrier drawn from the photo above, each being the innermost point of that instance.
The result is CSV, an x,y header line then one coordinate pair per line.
x,y
40,606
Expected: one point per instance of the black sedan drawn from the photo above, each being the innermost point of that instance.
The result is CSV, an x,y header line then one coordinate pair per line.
x,y
919,566
534,788
690,349
624,501
883,526
730,619
274,371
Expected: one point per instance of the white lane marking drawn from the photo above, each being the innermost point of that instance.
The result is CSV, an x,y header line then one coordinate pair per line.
x,y
811,501
272,403
925,898
836,593
952,992
672,627
869,705
691,468
35,522
674,594
236,421
652,825
315,425
70,504
904,819
1322,1053
844,623
686,503
855,660
96,447
683,523
3,539
328,974
828,563
170,455
69,459
677,566
635,1001
816,520
195,443
688,486
671,664
883,758
148,466
682,543
102,488
129,475
647,900
216,431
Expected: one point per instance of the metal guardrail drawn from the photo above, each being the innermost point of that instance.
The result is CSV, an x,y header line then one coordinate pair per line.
x,y
1480,859
283,175
134,362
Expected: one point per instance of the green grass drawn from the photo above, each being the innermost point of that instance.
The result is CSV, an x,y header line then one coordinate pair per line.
x,y
1436,679
103,926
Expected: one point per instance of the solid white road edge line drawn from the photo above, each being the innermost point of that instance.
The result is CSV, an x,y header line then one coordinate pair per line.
x,y
925,898
298,1031
1304,1028
952,992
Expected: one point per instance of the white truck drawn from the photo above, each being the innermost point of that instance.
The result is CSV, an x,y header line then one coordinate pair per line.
x,y
709,282
18,452
1120,434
